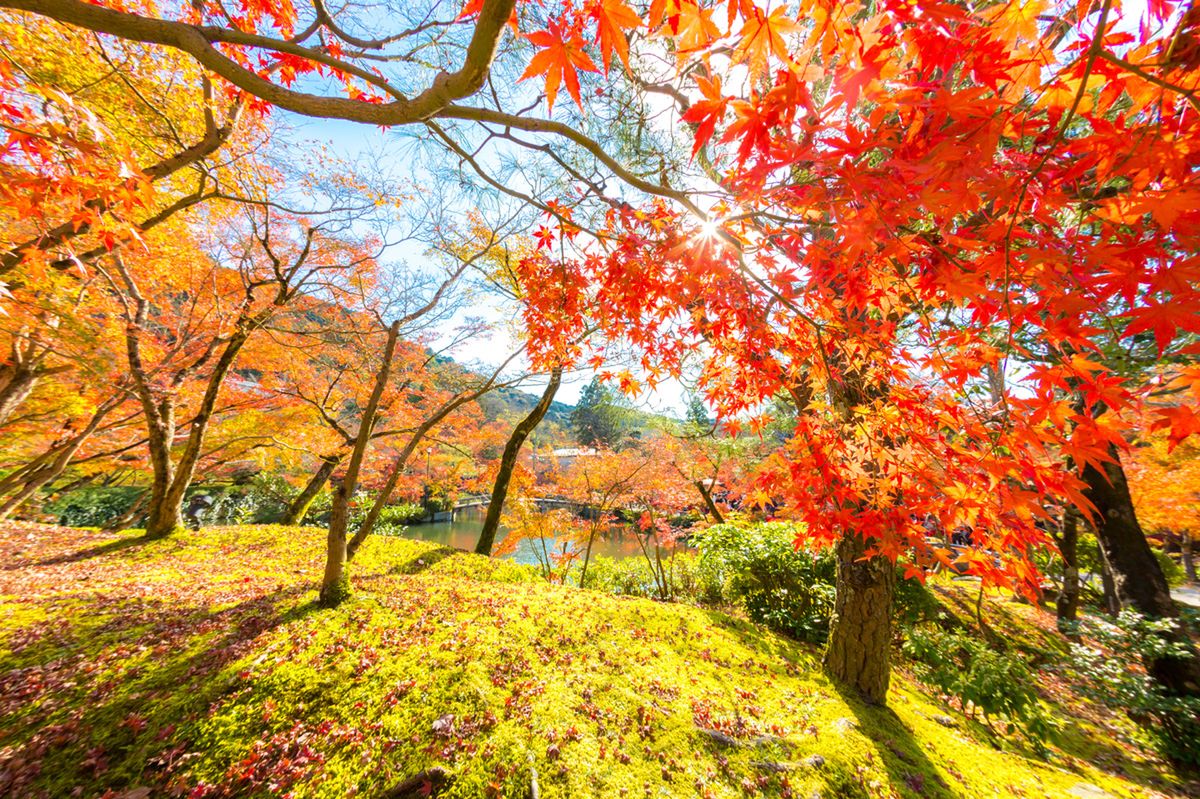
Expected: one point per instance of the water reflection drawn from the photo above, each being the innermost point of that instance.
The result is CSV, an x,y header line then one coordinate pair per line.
x,y
463,532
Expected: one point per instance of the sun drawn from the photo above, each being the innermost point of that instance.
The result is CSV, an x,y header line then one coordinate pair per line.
x,y
710,229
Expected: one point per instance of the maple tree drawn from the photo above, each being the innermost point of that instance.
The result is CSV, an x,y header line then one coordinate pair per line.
x,y
874,207
1164,482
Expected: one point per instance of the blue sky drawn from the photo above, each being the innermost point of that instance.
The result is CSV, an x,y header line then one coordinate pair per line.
x,y
350,140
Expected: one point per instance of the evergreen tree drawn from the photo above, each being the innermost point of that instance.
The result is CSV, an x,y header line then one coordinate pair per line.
x,y
697,417
602,417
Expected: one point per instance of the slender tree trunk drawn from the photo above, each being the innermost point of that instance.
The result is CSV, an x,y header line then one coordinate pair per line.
x,y
162,519
860,632
1187,549
299,506
508,462
401,462
1067,604
1138,579
397,468
713,510
127,518
587,554
16,383
1112,605
335,585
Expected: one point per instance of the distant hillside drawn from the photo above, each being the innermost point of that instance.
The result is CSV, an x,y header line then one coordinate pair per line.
x,y
513,401
516,402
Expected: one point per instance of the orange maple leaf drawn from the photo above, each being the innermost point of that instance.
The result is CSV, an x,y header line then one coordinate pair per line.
x,y
762,35
706,113
559,59
691,27
613,18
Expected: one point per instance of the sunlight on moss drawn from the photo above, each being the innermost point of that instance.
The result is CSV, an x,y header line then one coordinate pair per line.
x,y
201,665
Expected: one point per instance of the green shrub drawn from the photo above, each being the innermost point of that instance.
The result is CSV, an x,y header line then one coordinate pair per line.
x,y
690,579
996,684
267,498
1111,672
915,603
1172,569
789,590
394,519
93,507
209,506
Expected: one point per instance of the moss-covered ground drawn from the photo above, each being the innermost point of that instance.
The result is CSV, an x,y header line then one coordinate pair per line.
x,y
201,667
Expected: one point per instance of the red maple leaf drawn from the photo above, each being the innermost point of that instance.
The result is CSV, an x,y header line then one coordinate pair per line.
x,y
560,58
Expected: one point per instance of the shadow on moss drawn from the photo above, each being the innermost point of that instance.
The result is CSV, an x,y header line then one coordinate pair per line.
x,y
103,694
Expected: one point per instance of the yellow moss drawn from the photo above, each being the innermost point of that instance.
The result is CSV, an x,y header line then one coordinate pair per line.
x,y
441,658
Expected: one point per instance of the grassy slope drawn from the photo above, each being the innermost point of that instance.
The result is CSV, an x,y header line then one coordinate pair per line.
x,y
199,666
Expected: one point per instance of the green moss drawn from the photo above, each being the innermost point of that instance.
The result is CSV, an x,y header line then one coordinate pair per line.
x,y
202,664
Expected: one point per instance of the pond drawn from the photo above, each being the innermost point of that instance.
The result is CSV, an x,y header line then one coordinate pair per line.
x,y
463,533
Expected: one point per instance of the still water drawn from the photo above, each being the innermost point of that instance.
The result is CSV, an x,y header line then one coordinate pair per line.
x,y
463,533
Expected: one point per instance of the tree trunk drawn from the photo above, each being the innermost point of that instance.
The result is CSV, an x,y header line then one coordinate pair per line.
x,y
299,506
1138,579
1112,605
162,519
711,506
1067,604
860,632
16,383
1186,549
508,462
335,585
401,461
385,493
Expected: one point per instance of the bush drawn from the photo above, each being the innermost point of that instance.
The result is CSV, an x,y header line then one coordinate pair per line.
x,y
996,684
789,590
691,580
268,497
93,507
1172,570
1111,673
394,519
915,603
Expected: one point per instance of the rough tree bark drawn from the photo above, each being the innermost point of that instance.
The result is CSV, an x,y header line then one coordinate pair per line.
x,y
1138,580
16,383
508,462
860,632
1112,605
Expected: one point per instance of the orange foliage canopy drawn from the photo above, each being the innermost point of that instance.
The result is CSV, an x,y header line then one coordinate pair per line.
x,y
918,202
930,226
